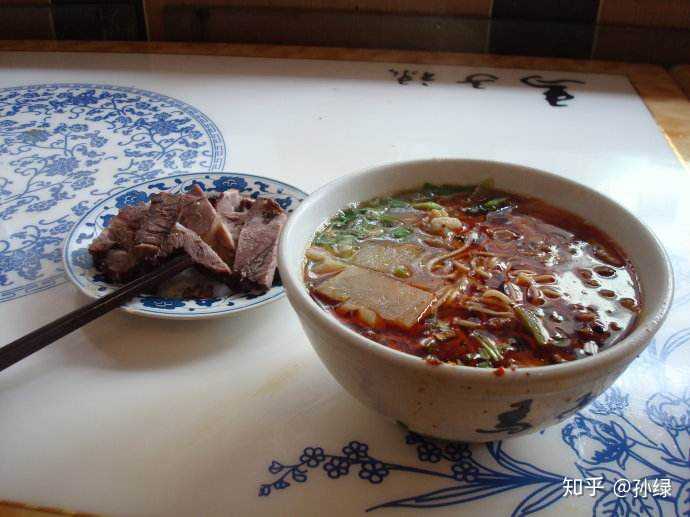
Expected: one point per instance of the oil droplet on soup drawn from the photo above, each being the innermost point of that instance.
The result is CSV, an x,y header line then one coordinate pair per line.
x,y
475,276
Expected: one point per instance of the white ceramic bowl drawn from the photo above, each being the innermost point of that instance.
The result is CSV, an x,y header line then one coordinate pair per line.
x,y
460,402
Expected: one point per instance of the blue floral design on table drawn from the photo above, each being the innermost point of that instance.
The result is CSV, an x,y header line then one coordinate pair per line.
x,y
468,479
80,270
608,440
62,146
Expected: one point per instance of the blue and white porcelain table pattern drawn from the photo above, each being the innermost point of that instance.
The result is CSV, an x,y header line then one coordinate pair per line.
x,y
236,416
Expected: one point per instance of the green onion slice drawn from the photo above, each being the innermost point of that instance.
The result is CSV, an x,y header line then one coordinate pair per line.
x,y
532,323
489,345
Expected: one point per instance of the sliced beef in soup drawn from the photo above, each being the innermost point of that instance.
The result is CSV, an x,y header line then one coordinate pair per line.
x,y
372,294
400,260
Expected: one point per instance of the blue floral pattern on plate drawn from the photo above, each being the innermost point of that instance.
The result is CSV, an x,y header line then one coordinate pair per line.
x,y
64,146
81,271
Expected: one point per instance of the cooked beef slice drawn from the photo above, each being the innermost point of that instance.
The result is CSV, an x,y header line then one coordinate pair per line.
x,y
119,265
216,233
257,246
198,215
101,245
162,215
234,208
112,250
228,202
203,255
121,229
191,283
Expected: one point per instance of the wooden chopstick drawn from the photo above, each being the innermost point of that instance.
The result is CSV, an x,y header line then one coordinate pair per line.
x,y
42,337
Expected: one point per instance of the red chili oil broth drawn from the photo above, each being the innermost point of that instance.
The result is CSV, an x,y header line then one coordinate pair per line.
x,y
592,302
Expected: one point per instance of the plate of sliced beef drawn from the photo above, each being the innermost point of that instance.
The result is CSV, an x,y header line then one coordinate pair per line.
x,y
228,223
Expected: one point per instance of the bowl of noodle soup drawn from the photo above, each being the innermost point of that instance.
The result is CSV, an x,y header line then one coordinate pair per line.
x,y
472,300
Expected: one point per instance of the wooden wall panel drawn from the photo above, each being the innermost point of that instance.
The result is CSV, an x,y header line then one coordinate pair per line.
x,y
26,20
480,8
642,45
645,13
325,28
25,3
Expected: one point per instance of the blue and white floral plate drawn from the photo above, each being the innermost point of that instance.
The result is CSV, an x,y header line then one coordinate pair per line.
x,y
81,271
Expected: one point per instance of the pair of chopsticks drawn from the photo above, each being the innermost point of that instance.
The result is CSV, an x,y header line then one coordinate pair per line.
x,y
42,337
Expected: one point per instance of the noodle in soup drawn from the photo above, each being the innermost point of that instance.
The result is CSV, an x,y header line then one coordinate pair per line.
x,y
473,276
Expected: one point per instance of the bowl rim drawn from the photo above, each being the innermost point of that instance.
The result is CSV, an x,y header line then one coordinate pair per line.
x,y
649,322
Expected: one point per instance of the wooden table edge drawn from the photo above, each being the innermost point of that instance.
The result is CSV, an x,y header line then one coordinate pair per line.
x,y
661,94
17,509
681,74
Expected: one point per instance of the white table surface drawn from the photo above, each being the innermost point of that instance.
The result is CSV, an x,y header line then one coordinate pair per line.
x,y
133,416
